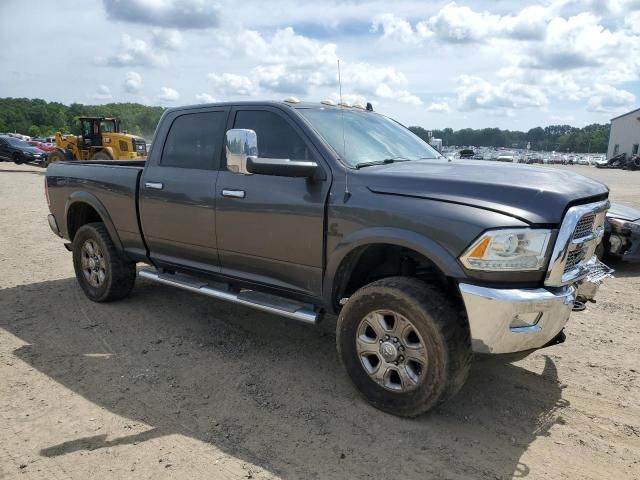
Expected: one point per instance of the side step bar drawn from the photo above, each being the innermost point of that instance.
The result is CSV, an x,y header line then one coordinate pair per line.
x,y
260,301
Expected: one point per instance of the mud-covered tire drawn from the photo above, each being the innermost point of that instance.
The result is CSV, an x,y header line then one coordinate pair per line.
x,y
119,273
101,155
442,327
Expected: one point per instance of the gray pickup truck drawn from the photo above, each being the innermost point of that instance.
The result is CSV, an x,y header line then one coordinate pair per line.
x,y
304,210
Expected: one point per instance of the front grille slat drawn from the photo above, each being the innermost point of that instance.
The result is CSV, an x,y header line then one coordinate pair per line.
x,y
584,226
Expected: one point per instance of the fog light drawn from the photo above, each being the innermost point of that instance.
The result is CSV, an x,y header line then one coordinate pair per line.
x,y
525,319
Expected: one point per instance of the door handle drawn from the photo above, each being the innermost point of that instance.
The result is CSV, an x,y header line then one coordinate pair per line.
x,y
233,193
154,185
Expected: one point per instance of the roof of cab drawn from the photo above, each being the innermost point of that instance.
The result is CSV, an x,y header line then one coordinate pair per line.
x,y
267,103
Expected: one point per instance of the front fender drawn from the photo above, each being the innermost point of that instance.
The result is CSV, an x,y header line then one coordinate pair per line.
x,y
440,257
96,204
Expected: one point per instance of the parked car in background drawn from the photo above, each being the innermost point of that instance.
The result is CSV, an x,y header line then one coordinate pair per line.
x,y
18,151
42,146
506,157
467,153
622,234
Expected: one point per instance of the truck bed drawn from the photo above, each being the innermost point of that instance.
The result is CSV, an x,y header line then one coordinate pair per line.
x,y
111,187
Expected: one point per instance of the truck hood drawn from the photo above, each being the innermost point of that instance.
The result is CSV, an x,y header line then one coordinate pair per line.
x,y
623,212
533,194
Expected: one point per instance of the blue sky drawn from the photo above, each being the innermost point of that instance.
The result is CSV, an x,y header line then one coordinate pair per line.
x,y
510,64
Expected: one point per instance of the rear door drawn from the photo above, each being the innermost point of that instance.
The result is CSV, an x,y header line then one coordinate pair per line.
x,y
177,192
271,229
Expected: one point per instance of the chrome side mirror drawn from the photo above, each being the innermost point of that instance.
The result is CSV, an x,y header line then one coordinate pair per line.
x,y
240,144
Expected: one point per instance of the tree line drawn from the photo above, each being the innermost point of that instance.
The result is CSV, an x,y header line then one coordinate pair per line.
x,y
561,138
36,117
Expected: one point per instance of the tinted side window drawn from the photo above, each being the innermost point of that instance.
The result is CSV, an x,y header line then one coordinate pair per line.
x,y
194,141
276,138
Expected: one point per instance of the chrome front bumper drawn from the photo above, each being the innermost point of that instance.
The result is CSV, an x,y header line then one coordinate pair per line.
x,y
515,320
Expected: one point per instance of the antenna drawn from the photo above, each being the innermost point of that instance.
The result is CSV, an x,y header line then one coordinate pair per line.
x,y
347,193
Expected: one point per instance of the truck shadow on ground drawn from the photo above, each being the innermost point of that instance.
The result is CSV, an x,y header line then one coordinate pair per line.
x,y
266,390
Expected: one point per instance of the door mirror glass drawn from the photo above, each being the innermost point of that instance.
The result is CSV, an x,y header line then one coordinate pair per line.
x,y
240,144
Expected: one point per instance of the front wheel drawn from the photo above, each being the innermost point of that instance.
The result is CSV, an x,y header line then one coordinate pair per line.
x,y
103,274
404,345
101,155
17,158
54,157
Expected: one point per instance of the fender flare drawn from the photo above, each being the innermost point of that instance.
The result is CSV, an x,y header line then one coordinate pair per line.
x,y
96,204
437,254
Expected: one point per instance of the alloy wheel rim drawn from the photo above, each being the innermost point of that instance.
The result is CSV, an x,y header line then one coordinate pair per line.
x,y
93,263
391,351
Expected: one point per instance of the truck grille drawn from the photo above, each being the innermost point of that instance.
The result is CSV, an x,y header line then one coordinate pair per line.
x,y
584,226
579,234
573,259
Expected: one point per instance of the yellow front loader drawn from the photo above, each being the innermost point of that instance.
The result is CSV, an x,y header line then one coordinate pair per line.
x,y
100,140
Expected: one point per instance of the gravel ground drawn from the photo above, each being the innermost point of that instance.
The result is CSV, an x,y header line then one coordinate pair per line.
x,y
168,384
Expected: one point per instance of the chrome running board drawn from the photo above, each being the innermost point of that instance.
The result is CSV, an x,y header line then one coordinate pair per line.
x,y
260,301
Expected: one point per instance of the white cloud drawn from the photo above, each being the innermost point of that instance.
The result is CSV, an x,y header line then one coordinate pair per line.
x,y
461,24
167,39
168,94
184,14
230,83
133,82
289,63
397,28
476,93
439,107
608,99
579,41
205,98
102,93
136,52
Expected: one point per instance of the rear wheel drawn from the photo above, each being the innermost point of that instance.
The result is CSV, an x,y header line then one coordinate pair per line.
x,y
101,155
103,274
17,158
403,344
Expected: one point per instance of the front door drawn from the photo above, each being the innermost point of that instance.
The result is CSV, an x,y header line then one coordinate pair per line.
x,y
271,229
177,192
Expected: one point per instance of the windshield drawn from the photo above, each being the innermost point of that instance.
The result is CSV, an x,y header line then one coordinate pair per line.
x,y
16,142
108,126
368,137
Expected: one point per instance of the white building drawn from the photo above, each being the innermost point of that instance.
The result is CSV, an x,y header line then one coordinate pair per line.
x,y
625,134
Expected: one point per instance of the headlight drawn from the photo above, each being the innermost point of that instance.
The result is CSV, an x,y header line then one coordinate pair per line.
x,y
509,249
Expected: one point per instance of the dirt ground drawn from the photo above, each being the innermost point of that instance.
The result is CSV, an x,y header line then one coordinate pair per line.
x,y
168,384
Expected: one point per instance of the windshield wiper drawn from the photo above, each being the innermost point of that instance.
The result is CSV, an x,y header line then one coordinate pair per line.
x,y
380,162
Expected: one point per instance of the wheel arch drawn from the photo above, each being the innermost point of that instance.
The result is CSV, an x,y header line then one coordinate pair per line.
x,y
83,208
347,257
